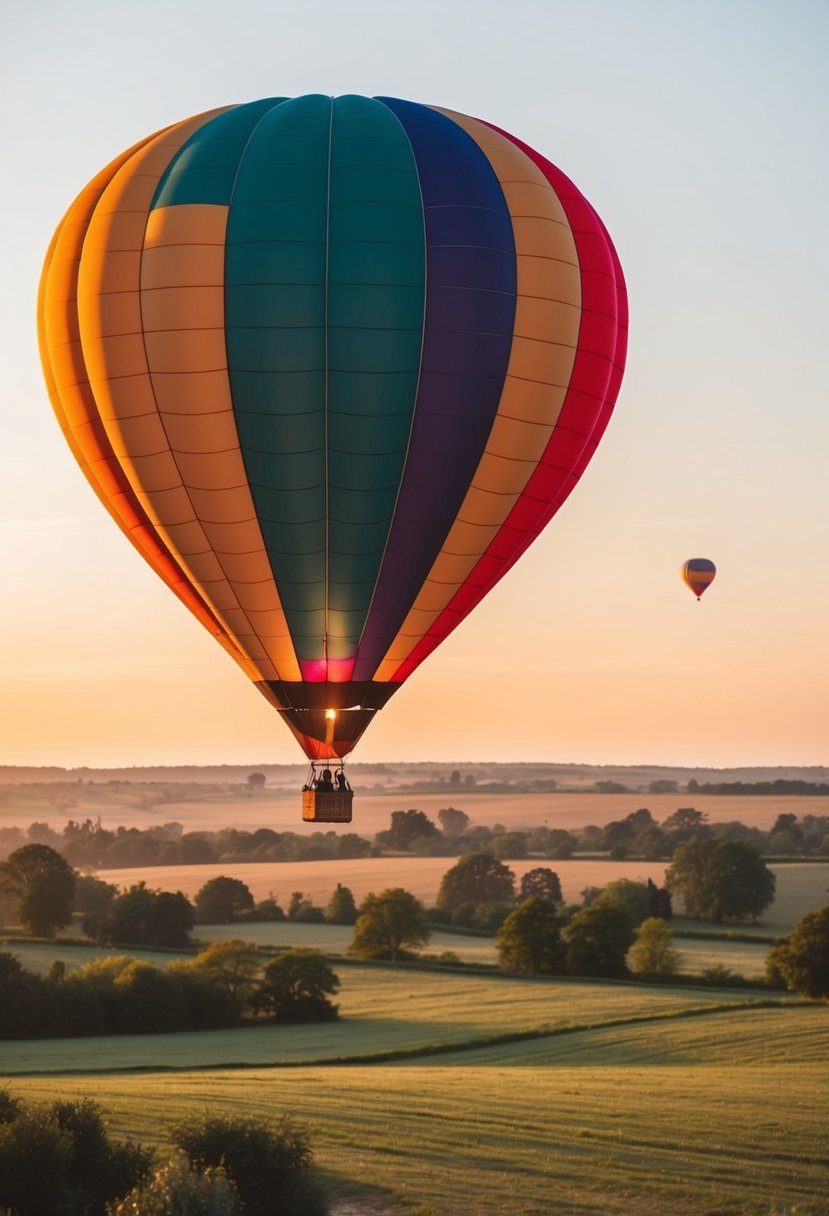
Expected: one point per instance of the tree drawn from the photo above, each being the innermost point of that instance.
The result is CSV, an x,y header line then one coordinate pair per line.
x,y
43,883
512,845
341,908
406,828
22,1009
541,881
256,781
476,878
93,895
389,923
659,901
598,939
304,911
150,918
685,824
529,941
651,953
231,965
295,987
628,896
802,958
453,822
721,878
222,901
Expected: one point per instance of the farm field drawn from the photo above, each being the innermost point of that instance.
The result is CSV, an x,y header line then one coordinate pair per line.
x,y
801,886
197,807
719,1113
743,958
385,1010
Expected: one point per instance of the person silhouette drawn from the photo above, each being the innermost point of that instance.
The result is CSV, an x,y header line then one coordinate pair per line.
x,y
325,785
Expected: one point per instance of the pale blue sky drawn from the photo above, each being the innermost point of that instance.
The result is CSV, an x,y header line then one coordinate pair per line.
x,y
698,131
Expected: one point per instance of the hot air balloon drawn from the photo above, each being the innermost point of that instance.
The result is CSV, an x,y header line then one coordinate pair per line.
x,y
698,573
332,364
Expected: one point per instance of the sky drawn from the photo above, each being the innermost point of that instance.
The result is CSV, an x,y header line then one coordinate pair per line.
x,y
697,129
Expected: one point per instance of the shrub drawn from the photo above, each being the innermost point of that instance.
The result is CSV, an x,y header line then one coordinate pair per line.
x,y
34,1159
718,975
268,1163
98,1169
58,1158
177,1188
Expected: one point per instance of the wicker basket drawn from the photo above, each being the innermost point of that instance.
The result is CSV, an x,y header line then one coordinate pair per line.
x,y
320,806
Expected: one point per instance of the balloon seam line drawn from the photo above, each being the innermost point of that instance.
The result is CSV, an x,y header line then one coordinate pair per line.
x,y
400,484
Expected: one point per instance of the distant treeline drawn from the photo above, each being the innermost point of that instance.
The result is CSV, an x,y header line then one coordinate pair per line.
x,y
779,787
87,845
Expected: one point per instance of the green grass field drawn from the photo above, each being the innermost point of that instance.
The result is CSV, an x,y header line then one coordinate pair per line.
x,y
450,1094
712,1115
386,1011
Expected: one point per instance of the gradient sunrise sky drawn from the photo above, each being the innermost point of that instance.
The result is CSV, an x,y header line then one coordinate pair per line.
x,y
698,131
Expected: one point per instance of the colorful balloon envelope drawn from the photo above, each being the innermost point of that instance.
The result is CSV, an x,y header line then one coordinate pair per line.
x,y
698,573
332,364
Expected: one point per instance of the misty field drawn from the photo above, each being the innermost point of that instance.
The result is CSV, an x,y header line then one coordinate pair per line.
x,y
196,807
719,1113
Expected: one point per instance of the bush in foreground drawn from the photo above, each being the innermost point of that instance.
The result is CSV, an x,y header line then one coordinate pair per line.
x,y
269,1164
57,1157
177,1188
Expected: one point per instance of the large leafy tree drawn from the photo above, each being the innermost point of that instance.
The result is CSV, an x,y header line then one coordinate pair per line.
x,y
802,959
476,878
598,939
222,901
295,987
43,885
389,922
719,879
541,881
529,941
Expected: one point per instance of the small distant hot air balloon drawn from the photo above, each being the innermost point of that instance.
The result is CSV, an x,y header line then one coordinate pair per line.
x,y
332,364
698,573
